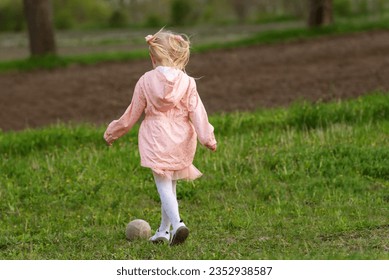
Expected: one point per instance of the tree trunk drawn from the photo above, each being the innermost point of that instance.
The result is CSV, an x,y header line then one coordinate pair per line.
x,y
241,9
39,16
320,12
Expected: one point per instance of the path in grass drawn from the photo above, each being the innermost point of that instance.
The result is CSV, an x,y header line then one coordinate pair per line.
x,y
246,78
73,42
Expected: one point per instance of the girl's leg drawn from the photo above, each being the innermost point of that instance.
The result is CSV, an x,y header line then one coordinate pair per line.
x,y
167,192
174,188
165,221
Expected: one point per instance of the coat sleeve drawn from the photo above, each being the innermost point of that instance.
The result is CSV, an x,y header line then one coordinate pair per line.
x,y
118,128
199,119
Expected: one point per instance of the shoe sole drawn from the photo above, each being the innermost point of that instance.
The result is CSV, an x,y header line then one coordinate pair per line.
x,y
180,236
160,240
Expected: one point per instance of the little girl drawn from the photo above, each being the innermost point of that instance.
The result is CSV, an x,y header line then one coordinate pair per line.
x,y
174,118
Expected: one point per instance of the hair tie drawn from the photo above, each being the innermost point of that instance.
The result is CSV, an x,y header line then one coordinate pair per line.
x,y
178,38
148,38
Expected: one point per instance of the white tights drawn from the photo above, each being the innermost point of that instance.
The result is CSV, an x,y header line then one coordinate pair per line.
x,y
169,205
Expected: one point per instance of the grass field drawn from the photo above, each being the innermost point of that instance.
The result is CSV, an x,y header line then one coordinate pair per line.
x,y
307,182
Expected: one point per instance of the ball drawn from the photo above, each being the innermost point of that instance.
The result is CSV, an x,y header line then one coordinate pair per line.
x,y
138,229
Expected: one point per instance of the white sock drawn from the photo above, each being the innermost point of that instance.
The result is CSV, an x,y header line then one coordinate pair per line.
x,y
174,188
167,192
165,221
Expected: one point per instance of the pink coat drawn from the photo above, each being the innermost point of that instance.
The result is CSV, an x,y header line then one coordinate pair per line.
x,y
174,118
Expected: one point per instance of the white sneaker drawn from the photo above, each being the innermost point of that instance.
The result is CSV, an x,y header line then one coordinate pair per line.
x,y
160,237
179,235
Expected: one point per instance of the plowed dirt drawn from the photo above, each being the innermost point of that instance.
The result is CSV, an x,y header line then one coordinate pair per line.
x,y
322,69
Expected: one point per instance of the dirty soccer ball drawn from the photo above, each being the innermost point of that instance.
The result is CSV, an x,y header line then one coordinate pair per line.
x,y
138,229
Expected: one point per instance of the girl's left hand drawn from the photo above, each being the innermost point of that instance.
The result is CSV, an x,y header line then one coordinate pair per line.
x,y
107,143
108,140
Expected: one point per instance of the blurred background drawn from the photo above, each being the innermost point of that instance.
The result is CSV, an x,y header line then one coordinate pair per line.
x,y
96,14
115,25
68,60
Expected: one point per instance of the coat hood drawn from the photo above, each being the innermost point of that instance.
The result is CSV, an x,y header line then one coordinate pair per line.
x,y
165,87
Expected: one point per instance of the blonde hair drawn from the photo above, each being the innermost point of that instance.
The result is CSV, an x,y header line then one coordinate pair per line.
x,y
169,49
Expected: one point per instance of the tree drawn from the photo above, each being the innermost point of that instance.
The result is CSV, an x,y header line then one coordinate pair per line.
x,y
320,12
39,16
180,11
241,8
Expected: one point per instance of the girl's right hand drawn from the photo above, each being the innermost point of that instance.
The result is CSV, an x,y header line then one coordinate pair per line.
x,y
213,147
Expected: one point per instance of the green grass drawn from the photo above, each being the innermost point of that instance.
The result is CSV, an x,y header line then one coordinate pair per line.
x,y
277,36
307,182
266,37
